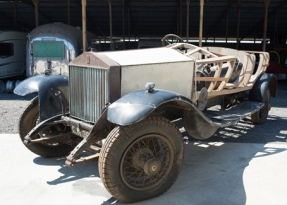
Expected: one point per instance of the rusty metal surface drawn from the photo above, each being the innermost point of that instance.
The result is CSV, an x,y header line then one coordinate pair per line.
x,y
99,131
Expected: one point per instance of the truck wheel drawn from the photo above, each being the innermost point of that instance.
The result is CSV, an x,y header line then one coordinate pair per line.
x,y
141,161
260,116
27,122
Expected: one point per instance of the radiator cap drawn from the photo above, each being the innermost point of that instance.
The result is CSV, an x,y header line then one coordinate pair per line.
x,y
149,86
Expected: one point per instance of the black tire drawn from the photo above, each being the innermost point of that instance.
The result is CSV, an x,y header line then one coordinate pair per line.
x,y
27,122
152,150
260,116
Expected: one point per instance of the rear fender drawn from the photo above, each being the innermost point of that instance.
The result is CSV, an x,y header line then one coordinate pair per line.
x,y
265,81
53,93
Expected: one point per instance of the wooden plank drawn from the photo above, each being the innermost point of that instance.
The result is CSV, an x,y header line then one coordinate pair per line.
x,y
211,79
216,60
228,91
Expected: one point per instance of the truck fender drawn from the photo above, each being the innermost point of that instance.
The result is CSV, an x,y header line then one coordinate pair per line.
x,y
53,93
265,81
136,106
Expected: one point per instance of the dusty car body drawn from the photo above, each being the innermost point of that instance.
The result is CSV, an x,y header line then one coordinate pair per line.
x,y
119,106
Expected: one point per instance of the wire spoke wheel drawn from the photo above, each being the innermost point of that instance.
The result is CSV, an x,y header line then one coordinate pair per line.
x,y
141,161
146,162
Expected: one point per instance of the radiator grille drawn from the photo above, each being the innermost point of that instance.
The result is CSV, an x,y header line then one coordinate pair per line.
x,y
88,92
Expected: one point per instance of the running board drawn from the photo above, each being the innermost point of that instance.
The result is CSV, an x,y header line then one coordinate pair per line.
x,y
224,118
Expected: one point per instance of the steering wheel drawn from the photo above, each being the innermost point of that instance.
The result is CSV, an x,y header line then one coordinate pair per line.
x,y
274,56
170,39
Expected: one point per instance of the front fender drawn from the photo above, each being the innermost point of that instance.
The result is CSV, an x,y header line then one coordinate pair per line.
x,y
47,86
135,106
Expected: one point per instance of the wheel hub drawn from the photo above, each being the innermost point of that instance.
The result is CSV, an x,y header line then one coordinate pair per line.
x,y
140,156
152,166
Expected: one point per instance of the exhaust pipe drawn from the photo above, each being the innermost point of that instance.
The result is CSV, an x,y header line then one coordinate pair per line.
x,y
2,87
10,85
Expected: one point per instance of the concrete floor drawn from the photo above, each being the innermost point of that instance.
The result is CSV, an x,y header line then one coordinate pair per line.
x,y
213,173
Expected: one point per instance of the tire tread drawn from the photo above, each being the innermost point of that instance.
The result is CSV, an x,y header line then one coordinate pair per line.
x,y
105,166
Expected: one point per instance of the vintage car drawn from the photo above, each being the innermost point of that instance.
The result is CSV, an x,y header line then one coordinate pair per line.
x,y
120,107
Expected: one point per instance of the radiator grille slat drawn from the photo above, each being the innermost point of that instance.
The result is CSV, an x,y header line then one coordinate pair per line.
x,y
88,92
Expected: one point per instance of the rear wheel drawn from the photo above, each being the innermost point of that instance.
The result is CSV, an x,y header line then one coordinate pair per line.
x,y
260,116
141,161
27,122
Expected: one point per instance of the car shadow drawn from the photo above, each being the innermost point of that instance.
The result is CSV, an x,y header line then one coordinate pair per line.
x,y
213,169
67,174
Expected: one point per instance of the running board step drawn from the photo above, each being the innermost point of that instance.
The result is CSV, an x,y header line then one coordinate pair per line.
x,y
224,118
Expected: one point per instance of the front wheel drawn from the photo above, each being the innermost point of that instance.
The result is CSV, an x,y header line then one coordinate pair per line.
x,y
27,122
141,161
260,116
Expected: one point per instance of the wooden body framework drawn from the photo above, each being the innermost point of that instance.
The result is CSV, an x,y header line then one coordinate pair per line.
x,y
218,59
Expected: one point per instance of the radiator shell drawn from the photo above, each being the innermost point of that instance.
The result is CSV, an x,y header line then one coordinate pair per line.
x,y
96,79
